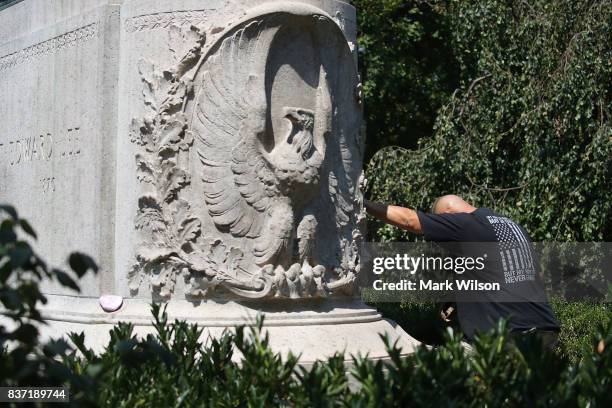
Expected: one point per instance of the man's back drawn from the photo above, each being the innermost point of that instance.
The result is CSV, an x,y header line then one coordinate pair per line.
x,y
510,262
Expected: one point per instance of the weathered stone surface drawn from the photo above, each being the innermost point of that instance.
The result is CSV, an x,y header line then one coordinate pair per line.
x,y
205,153
58,76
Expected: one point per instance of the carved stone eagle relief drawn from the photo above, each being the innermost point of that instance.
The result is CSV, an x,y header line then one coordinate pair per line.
x,y
252,168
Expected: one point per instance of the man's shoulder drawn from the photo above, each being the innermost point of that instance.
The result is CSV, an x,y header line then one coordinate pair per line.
x,y
447,217
501,223
489,215
492,216
444,227
483,212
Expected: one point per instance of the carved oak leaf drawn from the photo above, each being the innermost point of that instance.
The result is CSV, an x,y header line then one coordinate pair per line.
x,y
141,133
150,218
232,264
164,82
199,262
173,91
224,263
180,210
135,277
144,169
163,92
149,79
218,254
164,278
171,134
176,42
174,137
185,46
154,253
189,229
186,141
172,180
199,285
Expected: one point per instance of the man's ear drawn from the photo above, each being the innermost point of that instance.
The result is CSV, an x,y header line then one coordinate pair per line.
x,y
433,206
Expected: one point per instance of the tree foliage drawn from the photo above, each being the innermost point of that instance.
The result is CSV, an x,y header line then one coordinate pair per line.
x,y
6,3
407,67
527,132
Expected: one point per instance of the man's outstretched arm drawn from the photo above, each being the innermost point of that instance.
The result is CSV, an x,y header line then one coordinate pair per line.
x,y
399,216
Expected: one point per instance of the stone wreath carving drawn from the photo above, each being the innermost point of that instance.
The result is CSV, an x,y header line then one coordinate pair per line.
x,y
165,20
250,169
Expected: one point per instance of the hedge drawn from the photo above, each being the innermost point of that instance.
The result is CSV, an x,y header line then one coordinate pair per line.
x,y
578,320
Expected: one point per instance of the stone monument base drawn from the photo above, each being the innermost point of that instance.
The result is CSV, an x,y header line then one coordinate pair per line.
x,y
315,329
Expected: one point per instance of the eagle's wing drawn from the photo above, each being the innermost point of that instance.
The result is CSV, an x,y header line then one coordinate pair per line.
x,y
228,119
343,154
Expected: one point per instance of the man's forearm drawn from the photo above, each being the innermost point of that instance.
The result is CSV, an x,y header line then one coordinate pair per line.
x,y
401,217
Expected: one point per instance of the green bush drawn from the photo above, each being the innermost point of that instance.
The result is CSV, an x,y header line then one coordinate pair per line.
x,y
172,368
527,132
578,320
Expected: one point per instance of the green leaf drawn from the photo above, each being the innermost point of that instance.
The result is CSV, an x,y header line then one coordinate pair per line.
x,y
10,211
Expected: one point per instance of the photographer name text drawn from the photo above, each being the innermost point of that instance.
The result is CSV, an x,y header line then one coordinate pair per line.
x,y
431,285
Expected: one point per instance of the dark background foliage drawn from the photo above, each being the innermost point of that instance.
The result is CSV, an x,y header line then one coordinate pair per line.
x,y
6,3
508,103
407,67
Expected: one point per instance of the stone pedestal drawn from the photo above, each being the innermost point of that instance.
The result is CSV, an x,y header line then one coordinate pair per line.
x,y
313,328
206,153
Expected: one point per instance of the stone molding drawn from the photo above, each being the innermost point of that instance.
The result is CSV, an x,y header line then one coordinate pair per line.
x,y
211,314
165,20
50,46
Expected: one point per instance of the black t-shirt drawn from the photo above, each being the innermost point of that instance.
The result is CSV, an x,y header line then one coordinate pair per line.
x,y
511,263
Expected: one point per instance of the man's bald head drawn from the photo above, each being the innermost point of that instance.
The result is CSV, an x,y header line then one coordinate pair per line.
x,y
450,204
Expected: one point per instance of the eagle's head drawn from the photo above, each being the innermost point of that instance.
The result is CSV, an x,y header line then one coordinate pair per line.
x,y
295,159
301,135
303,118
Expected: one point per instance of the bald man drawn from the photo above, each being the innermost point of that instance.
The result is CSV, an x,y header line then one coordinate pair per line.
x,y
510,263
